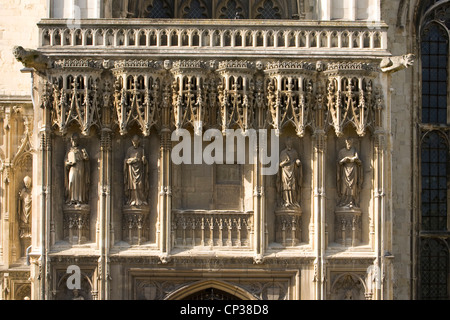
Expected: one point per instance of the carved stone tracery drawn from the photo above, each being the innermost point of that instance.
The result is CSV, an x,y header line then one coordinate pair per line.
x,y
236,95
207,93
350,97
290,95
137,94
229,94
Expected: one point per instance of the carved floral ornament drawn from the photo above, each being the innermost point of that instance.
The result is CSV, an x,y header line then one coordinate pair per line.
x,y
214,93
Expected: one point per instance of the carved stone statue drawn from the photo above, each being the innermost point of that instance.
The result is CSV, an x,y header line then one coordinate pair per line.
x,y
135,174
25,199
31,58
289,176
77,174
349,176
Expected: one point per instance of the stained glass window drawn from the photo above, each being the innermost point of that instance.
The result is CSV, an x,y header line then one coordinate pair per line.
x,y
434,273
434,182
434,270
195,10
158,10
231,11
268,11
434,75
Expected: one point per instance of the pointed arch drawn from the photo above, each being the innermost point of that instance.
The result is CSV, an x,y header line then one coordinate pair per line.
x,y
25,150
348,282
434,53
228,288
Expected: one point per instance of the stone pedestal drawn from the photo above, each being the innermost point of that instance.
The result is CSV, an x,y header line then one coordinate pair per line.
x,y
288,226
134,224
348,226
25,238
76,223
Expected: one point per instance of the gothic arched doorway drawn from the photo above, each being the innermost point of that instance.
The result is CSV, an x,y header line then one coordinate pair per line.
x,y
211,290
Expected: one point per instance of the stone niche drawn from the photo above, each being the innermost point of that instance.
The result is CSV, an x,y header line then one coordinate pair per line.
x,y
349,226
212,205
289,226
74,223
134,224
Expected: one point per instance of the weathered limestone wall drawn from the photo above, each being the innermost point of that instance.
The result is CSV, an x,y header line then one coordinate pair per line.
x,y
400,146
18,21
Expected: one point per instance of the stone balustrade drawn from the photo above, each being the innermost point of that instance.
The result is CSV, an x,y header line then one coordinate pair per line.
x,y
200,228
238,35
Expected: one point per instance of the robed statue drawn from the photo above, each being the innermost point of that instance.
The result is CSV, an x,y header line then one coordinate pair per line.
x,y
289,176
136,174
25,203
349,176
77,173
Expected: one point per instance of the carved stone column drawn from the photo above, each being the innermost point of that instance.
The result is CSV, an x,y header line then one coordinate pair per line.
x,y
165,176
260,236
6,184
46,194
105,240
379,206
319,210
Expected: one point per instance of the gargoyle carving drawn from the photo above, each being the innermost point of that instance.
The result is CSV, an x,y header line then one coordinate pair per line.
x,y
31,58
394,64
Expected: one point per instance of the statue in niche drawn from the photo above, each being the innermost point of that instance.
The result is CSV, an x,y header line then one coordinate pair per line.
x,y
25,199
135,174
289,176
349,175
77,173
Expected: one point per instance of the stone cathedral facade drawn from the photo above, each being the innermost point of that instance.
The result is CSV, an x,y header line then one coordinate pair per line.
x,y
347,97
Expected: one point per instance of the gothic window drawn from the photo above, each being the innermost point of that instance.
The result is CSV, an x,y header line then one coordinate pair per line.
x,y
195,9
159,9
268,10
434,235
231,9
434,74
434,265
434,182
